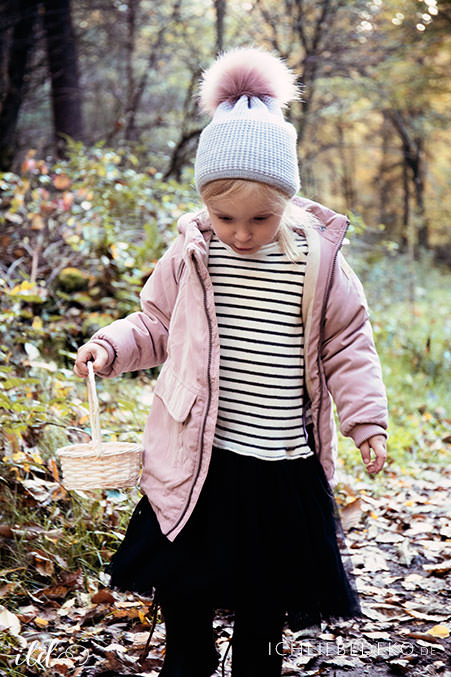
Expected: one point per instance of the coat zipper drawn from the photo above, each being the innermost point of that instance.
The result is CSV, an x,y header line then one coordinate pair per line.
x,y
321,334
199,465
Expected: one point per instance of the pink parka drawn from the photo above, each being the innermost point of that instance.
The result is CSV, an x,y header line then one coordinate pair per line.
x,y
177,327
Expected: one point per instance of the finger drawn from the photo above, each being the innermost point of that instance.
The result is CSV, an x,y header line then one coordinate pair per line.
x,y
365,452
84,355
379,447
99,361
81,370
381,454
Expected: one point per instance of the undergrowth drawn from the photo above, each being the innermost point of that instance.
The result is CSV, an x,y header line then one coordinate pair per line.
x,y
53,541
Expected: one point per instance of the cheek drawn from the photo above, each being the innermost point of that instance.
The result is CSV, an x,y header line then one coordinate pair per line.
x,y
272,229
221,230
219,227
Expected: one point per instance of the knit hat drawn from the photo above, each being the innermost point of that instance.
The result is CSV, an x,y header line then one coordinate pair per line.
x,y
244,92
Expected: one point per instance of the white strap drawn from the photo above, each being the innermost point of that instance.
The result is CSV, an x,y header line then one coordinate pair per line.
x,y
94,410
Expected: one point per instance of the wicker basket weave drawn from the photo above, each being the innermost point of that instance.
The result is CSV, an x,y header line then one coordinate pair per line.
x,y
99,465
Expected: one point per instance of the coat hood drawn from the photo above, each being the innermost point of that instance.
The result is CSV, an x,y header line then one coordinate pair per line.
x,y
332,225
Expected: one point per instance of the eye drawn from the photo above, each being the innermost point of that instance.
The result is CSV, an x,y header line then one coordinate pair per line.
x,y
224,218
261,218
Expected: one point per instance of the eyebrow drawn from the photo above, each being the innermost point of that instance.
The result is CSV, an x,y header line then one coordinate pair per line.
x,y
260,215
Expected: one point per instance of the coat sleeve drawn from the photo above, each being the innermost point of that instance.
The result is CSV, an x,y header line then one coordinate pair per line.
x,y
139,341
350,361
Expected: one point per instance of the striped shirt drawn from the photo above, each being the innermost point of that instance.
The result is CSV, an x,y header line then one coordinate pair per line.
x,y
258,299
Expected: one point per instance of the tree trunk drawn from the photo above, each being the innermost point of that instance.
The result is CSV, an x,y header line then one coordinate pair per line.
x,y
136,90
347,168
386,182
412,147
182,152
21,14
130,115
220,9
178,157
5,39
63,68
418,181
311,40
405,239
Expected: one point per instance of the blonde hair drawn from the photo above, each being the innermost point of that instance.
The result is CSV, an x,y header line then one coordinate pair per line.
x,y
291,215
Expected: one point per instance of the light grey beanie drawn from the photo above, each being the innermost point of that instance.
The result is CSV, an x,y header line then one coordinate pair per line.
x,y
248,137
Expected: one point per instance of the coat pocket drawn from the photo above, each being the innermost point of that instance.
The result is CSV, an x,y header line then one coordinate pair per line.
x,y
178,414
177,397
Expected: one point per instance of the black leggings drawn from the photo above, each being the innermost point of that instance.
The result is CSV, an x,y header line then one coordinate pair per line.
x,y
191,649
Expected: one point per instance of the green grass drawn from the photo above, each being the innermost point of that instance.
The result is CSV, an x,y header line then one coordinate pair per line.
x,y
414,344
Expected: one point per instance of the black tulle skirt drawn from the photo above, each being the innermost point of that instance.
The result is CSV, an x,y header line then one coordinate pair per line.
x,y
263,534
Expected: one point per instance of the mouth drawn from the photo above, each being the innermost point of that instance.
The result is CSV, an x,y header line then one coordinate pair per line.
x,y
243,249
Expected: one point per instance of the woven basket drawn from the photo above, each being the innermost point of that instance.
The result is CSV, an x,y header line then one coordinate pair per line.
x,y
99,465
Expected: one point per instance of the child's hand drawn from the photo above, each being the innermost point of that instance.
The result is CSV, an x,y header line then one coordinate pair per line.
x,y
378,444
90,351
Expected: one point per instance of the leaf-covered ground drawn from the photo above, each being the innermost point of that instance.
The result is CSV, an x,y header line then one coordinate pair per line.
x,y
400,543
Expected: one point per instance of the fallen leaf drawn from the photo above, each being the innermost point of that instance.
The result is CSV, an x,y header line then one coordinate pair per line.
x,y
128,605
439,647
32,351
441,631
61,181
9,621
43,563
72,579
389,538
41,490
406,552
400,664
7,588
375,561
33,531
54,592
125,613
37,222
63,666
383,612
6,531
420,527
351,514
343,662
103,596
426,617
378,635
412,581
441,568
53,469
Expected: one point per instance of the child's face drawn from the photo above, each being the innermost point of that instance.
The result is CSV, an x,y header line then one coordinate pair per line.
x,y
246,222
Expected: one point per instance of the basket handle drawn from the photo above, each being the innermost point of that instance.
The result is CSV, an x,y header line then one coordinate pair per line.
x,y
93,402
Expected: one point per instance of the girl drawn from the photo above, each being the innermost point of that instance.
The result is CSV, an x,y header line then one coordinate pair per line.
x,y
257,321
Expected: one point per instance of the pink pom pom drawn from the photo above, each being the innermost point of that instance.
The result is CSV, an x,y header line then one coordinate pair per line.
x,y
250,72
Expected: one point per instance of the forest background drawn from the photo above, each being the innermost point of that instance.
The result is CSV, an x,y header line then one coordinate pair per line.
x,y
98,130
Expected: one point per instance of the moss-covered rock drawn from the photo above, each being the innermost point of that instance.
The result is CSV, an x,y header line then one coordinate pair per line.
x,y
73,279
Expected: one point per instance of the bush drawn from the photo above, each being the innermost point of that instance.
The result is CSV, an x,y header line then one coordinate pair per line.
x,y
80,237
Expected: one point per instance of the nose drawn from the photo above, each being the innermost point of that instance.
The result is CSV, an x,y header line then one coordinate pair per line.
x,y
242,234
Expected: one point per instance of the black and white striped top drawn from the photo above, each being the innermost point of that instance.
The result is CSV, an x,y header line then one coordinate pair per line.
x,y
258,301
